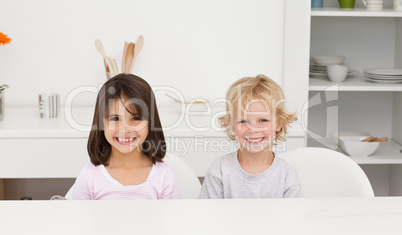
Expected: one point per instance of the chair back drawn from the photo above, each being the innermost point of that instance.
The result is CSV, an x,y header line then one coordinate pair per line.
x,y
189,184
327,173
188,181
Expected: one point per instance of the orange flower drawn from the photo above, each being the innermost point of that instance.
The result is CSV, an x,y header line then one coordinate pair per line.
x,y
4,39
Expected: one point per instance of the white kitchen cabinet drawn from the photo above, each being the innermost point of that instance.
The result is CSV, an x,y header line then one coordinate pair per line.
x,y
367,39
35,150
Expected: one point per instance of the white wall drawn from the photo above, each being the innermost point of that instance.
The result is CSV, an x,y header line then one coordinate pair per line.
x,y
197,47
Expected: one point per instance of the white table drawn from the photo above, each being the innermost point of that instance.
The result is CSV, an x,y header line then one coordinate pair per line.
x,y
260,216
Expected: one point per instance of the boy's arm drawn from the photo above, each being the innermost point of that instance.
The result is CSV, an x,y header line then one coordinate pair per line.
x,y
293,186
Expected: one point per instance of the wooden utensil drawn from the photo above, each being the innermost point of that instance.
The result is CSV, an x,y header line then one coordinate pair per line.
x,y
138,47
116,68
99,47
374,139
129,57
123,63
112,68
101,50
107,69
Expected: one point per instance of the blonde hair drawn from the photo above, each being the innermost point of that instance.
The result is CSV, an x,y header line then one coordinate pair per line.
x,y
261,87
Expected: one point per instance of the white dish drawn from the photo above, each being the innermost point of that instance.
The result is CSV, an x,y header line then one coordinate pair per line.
x,y
383,71
382,77
353,146
328,60
382,80
351,73
335,135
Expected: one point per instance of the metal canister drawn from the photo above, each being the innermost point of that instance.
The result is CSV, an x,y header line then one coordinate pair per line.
x,y
2,88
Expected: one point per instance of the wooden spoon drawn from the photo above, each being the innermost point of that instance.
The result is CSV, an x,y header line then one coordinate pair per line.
x,y
101,50
129,57
138,47
99,47
123,63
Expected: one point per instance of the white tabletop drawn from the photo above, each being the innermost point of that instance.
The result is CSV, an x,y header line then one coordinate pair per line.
x,y
259,216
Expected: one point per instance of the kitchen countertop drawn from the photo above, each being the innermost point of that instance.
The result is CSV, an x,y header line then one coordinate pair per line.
x,y
75,122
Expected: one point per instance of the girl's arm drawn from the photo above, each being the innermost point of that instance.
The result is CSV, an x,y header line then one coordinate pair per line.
x,y
171,187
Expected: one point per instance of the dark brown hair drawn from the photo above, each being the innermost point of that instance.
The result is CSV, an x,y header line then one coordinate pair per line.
x,y
142,99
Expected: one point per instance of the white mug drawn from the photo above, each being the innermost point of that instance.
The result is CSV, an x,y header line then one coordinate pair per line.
x,y
373,4
398,5
49,105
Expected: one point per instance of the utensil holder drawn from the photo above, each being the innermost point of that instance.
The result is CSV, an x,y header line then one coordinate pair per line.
x,y
1,105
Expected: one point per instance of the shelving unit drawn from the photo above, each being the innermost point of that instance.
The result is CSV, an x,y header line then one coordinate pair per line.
x,y
352,84
388,152
332,11
368,39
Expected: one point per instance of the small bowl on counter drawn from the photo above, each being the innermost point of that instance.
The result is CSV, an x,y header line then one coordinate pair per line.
x,y
354,146
194,106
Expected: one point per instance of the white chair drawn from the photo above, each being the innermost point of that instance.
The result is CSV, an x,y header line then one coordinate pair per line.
x,y
327,173
188,182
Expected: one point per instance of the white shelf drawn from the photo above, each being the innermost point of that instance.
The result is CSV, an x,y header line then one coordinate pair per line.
x,y
351,84
388,152
356,12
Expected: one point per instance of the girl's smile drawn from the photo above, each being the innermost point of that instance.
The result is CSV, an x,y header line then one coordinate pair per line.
x,y
125,140
124,130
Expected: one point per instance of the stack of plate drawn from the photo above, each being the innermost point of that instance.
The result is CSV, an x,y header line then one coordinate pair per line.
x,y
384,75
320,71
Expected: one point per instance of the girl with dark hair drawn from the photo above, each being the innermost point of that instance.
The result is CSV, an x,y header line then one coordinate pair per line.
x,y
126,146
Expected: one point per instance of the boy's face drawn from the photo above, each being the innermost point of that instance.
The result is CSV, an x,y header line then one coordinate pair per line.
x,y
124,131
256,127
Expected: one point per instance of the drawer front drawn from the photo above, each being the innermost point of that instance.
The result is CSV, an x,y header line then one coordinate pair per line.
x,y
65,157
42,158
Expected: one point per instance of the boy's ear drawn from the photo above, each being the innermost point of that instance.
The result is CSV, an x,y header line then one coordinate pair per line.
x,y
278,127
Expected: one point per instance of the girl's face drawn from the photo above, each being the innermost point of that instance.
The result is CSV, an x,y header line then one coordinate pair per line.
x,y
255,130
124,131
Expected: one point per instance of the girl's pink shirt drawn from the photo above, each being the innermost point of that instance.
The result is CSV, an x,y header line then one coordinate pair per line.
x,y
95,183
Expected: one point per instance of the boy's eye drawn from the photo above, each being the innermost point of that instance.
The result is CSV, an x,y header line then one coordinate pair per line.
x,y
243,121
263,120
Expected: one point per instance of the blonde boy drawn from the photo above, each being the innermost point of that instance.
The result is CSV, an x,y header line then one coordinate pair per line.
x,y
256,117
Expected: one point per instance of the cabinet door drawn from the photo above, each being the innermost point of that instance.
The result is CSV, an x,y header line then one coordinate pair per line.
x,y
42,158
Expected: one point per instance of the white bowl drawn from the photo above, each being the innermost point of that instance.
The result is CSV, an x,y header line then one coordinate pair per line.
x,y
194,106
354,147
328,60
335,135
337,72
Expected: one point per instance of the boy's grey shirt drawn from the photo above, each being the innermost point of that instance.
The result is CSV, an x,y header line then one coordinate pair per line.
x,y
226,179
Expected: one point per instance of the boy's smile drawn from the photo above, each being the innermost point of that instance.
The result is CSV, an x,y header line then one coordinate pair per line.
x,y
255,128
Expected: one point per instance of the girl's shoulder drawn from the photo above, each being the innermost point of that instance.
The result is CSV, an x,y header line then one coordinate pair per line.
x,y
91,169
163,168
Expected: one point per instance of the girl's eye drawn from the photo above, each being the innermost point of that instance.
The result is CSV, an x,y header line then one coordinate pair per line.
x,y
243,121
114,119
263,120
136,118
